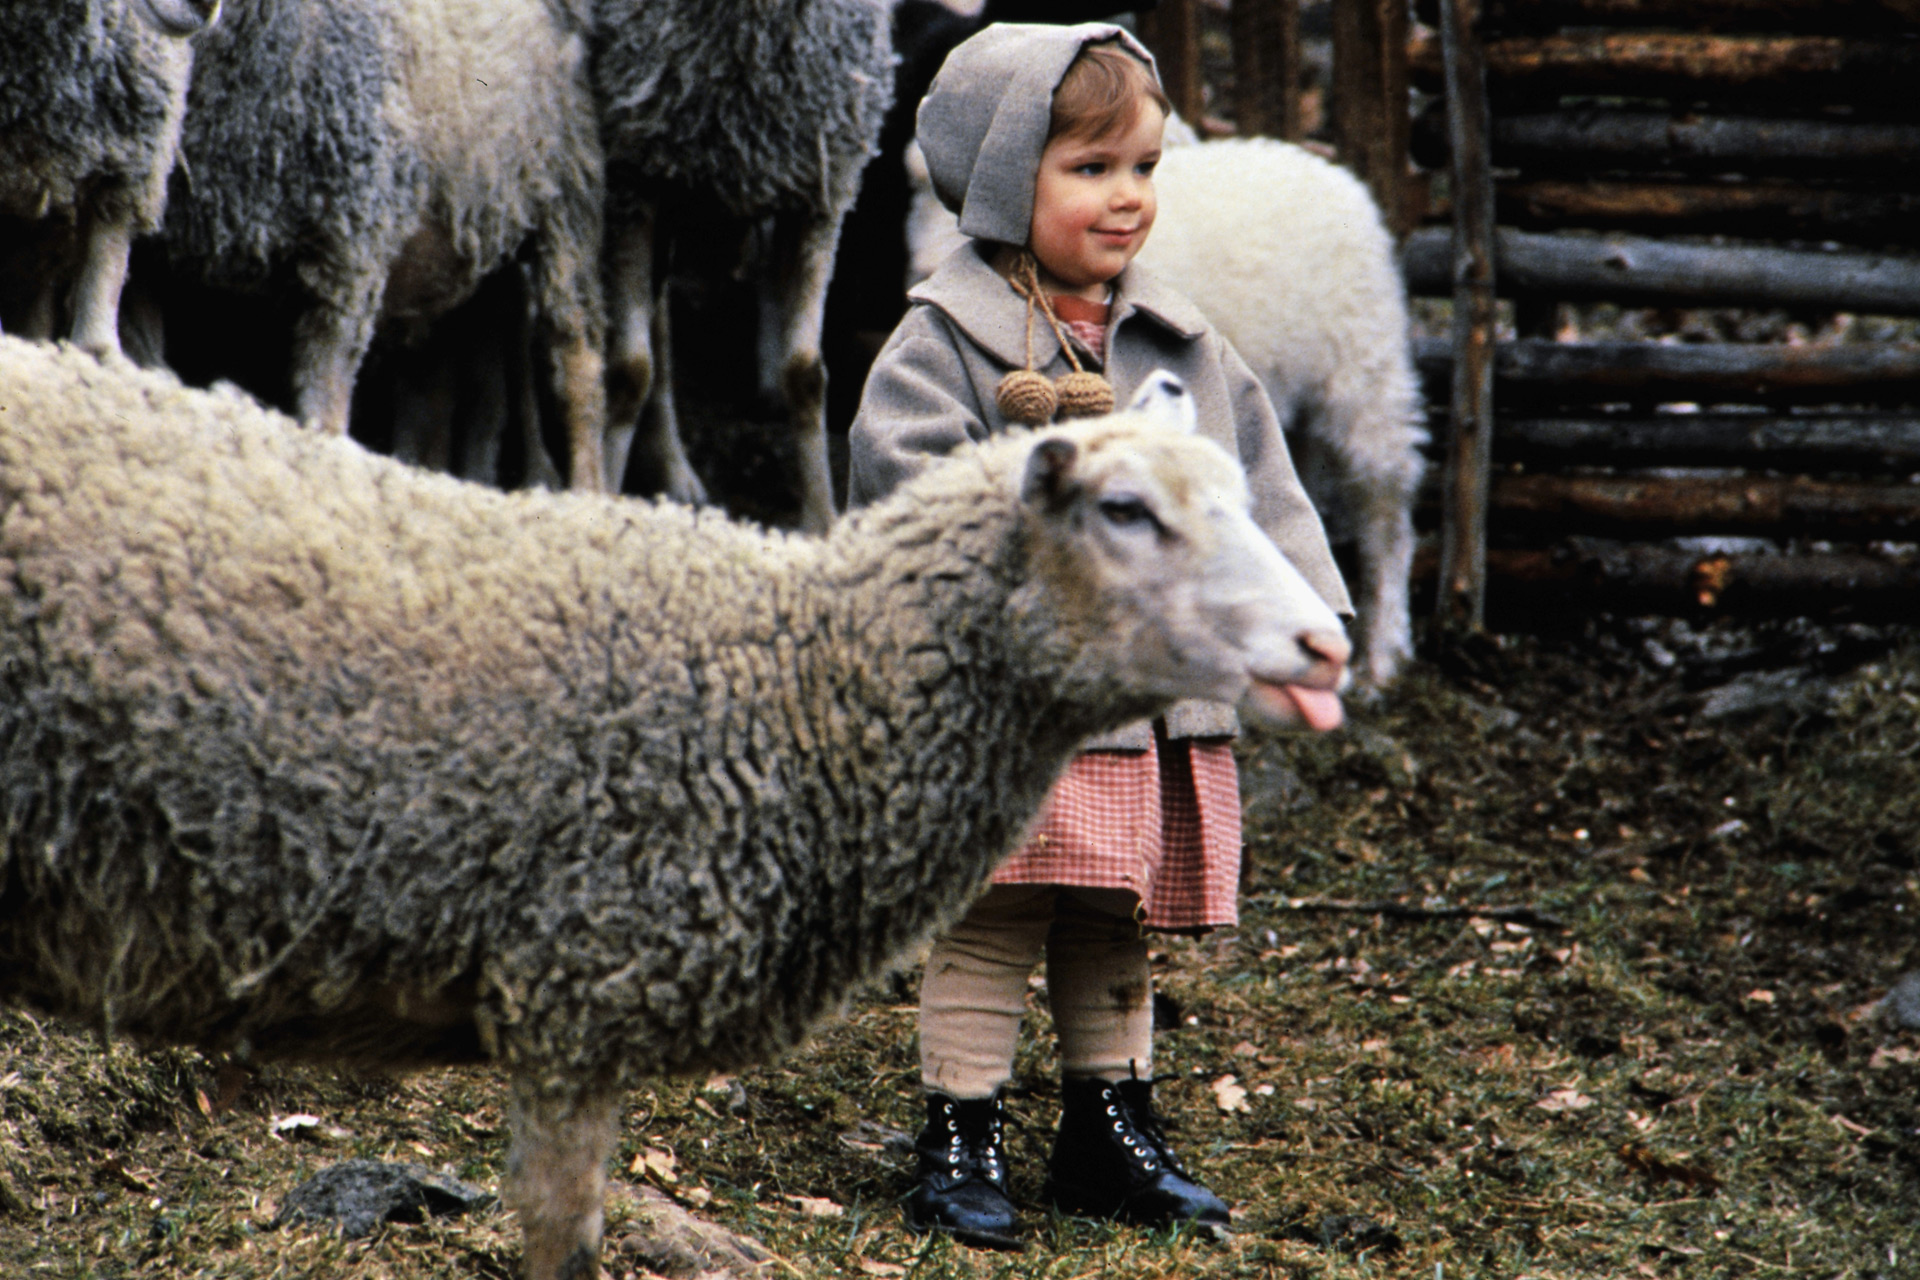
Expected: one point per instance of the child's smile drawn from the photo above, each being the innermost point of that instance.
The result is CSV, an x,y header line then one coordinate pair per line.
x,y
1093,204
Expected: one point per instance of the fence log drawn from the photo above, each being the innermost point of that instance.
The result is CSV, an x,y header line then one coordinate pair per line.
x,y
1756,209
1535,372
1660,273
1593,574
1266,68
1371,126
1171,29
1848,17
1590,140
1869,443
1813,69
1461,602
1661,506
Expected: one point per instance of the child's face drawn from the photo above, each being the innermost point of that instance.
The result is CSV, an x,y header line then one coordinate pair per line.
x,y
1093,203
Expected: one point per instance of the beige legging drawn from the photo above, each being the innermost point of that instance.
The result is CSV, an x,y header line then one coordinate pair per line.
x,y
1098,986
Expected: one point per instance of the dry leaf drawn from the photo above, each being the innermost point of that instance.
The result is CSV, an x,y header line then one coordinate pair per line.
x,y
654,1162
1892,1055
1565,1100
722,1085
815,1206
1760,996
1229,1095
869,1266
1850,1126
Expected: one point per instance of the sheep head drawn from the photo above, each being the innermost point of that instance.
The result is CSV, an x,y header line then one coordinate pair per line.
x,y
1144,537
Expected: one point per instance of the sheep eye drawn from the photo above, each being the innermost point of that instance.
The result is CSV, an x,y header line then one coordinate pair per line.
x,y
1124,512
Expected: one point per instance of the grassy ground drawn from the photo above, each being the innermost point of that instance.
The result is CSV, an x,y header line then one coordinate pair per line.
x,y
1689,1079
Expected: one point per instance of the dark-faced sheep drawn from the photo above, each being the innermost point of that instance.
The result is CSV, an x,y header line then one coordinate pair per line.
x,y
378,159
91,98
733,113
306,753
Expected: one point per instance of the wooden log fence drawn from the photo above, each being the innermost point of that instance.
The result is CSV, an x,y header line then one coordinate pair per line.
x,y
1630,122
1662,273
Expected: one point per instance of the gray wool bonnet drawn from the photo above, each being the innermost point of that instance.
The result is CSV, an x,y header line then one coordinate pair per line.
x,y
983,123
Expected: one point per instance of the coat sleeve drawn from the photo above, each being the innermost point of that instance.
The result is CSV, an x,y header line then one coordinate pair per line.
x,y
1280,504
918,405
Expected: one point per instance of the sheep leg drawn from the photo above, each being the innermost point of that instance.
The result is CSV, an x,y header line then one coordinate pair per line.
x,y
630,306
556,1178
424,406
802,303
1386,564
329,342
567,288
539,471
96,294
641,414
42,313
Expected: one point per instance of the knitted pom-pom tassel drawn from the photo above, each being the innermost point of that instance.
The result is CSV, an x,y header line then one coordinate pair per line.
x,y
1026,396
1084,395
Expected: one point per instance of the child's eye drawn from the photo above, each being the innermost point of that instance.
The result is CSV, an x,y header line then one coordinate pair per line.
x,y
1146,167
1092,168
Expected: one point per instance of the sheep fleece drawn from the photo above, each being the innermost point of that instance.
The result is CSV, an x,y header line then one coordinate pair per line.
x,y
307,753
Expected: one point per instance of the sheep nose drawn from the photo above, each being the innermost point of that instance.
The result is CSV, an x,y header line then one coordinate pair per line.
x,y
1328,651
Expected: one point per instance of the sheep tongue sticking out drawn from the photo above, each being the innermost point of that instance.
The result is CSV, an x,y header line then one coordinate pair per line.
x,y
1319,708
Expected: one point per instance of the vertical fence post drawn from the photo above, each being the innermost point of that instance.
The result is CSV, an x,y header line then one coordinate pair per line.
x,y
1266,67
1171,29
1461,601
1372,127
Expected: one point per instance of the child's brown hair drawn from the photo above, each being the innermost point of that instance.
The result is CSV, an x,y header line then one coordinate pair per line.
x,y
1103,89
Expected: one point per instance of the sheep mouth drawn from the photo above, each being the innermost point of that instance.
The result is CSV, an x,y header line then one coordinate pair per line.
x,y
1296,704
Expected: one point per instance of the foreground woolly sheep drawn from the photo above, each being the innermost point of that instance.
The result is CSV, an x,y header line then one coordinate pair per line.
x,y
741,110
379,159
307,753
91,98
1286,253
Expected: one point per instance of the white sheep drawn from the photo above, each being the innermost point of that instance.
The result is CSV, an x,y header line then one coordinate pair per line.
x,y
91,98
377,160
308,753
733,112
1286,253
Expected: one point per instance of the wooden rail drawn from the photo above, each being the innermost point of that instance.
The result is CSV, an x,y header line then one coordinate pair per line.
x,y
1811,68
1539,372
1662,273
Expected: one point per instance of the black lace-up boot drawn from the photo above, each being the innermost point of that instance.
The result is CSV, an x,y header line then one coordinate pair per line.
x,y
1111,1159
963,1173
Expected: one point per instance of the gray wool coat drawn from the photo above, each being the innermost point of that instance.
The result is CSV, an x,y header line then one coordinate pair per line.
x,y
983,126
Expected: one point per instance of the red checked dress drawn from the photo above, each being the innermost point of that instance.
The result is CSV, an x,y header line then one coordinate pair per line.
x,y
1163,823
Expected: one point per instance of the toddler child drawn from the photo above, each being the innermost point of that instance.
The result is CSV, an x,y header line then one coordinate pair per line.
x,y
1043,139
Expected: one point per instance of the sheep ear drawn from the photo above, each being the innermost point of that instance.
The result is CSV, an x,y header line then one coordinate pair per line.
x,y
1049,479
1164,399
